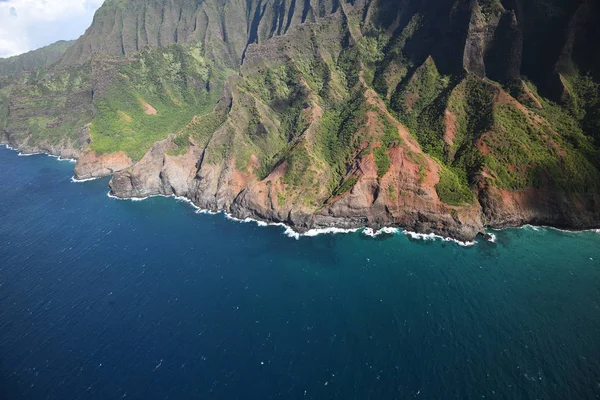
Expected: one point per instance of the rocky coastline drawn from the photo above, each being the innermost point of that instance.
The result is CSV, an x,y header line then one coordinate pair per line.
x,y
158,174
330,114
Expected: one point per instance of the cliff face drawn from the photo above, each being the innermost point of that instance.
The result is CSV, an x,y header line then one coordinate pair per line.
x,y
226,28
443,117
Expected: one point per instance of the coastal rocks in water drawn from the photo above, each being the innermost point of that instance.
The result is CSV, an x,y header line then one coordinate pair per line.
x,y
93,165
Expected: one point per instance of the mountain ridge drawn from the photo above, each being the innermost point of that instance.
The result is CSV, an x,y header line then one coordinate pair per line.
x,y
34,59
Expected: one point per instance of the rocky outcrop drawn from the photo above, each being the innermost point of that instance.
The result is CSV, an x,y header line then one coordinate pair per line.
x,y
157,173
505,208
93,165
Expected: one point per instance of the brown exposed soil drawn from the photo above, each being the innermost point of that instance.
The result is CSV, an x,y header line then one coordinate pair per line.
x,y
148,109
529,97
451,125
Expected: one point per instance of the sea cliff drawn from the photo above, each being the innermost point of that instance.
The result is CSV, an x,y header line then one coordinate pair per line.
x,y
443,118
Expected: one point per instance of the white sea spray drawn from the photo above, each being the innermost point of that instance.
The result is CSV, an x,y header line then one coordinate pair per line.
x,y
75,180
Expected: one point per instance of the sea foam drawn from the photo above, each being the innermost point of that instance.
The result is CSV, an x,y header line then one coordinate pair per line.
x,y
75,180
432,237
59,158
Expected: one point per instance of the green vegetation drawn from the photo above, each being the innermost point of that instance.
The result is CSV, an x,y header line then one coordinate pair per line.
x,y
390,133
389,139
527,152
337,140
346,186
303,100
199,130
382,161
583,102
156,95
491,9
396,64
392,193
418,92
275,101
451,190
47,109
469,103
370,49
299,163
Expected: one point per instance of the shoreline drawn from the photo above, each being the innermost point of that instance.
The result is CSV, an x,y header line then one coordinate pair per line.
x,y
41,153
291,233
364,230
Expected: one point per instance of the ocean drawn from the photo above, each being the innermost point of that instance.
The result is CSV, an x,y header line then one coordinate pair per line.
x,y
107,299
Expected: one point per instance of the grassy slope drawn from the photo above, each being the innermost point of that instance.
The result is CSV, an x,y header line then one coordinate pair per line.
x,y
47,109
172,80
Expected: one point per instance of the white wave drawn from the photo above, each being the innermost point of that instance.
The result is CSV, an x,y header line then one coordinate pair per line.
x,y
492,238
246,220
187,201
208,212
533,227
60,158
542,228
414,235
75,180
383,231
328,231
135,199
289,231
234,219
369,232
432,237
177,198
21,154
571,231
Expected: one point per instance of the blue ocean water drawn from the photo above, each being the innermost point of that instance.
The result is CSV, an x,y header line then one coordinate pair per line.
x,y
109,299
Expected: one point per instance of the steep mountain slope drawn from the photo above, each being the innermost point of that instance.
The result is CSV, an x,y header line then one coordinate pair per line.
x,y
34,59
443,117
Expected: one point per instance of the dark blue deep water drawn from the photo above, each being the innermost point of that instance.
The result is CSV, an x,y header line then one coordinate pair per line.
x,y
108,299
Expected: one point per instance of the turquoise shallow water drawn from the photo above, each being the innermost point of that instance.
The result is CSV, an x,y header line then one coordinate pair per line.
x,y
108,299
